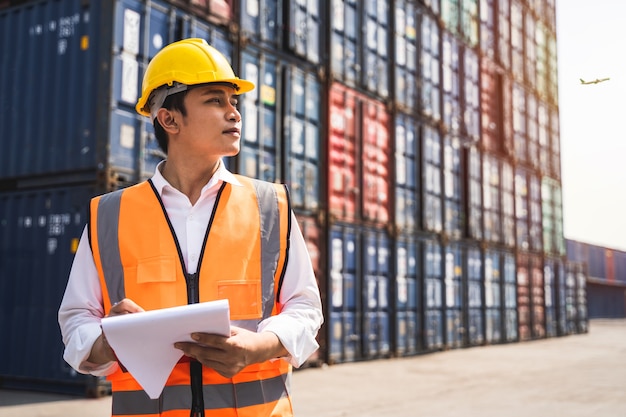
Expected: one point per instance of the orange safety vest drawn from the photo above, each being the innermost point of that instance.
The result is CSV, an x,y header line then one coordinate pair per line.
x,y
243,259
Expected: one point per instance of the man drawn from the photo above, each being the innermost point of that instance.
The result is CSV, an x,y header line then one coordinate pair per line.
x,y
192,233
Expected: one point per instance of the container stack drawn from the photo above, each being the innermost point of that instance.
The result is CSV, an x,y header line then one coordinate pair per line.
x,y
419,140
70,75
605,272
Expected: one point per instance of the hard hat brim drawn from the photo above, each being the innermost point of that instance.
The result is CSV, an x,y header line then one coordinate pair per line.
x,y
242,87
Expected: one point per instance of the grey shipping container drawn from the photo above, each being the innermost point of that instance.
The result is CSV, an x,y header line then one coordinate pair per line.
x,y
39,233
70,75
605,279
606,301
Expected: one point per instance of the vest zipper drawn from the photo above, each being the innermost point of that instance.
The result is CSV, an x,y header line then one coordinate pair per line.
x,y
195,367
192,288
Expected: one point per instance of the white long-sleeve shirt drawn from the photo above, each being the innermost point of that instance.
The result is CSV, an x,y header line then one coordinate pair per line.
x,y
82,308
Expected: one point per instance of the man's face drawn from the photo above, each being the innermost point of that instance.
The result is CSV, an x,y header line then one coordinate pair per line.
x,y
213,123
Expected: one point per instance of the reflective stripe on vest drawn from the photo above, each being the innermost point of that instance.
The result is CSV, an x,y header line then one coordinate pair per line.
x,y
219,397
254,270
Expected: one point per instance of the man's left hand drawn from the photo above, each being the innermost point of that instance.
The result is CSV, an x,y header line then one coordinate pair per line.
x,y
229,355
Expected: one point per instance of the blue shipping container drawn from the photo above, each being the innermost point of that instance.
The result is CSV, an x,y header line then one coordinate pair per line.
x,y
344,338
434,295
302,137
407,170
493,296
70,75
407,293
360,35
39,233
475,295
454,302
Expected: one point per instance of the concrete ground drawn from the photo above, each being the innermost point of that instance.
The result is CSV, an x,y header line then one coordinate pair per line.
x,y
573,376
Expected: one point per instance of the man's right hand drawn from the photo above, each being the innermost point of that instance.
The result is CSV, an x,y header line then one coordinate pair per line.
x,y
101,351
126,306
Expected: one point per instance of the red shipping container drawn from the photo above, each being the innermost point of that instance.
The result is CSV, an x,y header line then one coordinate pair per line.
x,y
216,11
491,111
538,297
342,155
523,298
358,172
496,108
313,238
507,114
530,296
315,242
375,184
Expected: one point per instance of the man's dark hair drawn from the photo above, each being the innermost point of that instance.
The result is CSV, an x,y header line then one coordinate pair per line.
x,y
173,102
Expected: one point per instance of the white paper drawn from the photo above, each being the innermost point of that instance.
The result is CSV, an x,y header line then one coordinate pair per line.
x,y
144,342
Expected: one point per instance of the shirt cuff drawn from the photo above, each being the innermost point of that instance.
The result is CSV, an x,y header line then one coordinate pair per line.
x,y
295,339
79,348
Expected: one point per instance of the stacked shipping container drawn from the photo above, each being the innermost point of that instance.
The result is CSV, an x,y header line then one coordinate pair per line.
x,y
420,141
606,277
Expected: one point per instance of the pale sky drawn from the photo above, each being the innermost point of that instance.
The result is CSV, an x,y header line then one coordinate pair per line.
x,y
591,40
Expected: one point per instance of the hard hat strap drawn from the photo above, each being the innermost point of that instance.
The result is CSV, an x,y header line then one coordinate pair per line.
x,y
158,96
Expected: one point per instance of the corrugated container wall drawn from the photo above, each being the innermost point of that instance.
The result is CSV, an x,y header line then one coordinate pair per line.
x,y
419,139
577,276
605,269
358,169
39,233
75,121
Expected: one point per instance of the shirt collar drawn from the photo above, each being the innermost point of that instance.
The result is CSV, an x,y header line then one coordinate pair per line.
x,y
221,175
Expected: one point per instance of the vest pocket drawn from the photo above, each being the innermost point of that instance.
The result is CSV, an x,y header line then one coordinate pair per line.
x,y
152,283
244,298
156,269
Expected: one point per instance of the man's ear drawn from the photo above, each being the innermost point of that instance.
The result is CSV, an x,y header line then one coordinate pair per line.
x,y
167,120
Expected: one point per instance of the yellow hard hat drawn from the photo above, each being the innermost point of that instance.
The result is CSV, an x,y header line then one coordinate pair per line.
x,y
186,62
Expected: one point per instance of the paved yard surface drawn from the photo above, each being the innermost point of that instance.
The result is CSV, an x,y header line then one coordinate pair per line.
x,y
573,376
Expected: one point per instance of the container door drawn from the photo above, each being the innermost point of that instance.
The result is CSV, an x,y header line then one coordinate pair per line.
x,y
260,152
39,233
50,66
302,130
432,177
549,273
345,53
407,307
455,326
523,297
475,296
343,154
407,166
430,61
406,46
316,246
376,293
493,296
261,20
375,169
345,331
537,297
304,29
433,295
453,190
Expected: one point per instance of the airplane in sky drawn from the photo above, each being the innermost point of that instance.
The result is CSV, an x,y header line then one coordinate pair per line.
x,y
596,81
